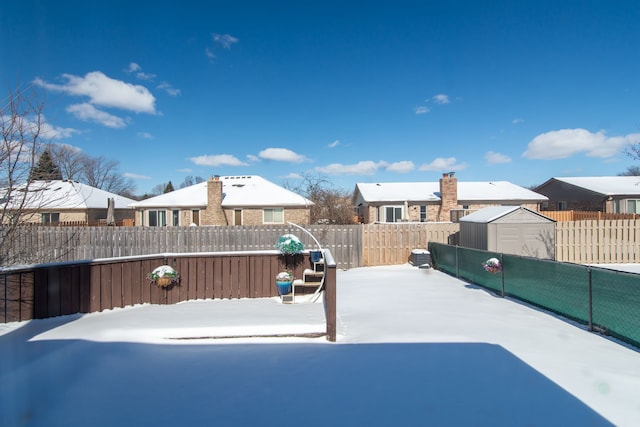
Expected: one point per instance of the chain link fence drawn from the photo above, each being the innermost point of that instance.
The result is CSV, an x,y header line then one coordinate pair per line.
x,y
608,301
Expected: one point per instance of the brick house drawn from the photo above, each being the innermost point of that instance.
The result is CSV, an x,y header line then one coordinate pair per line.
x,y
227,200
63,201
610,194
442,201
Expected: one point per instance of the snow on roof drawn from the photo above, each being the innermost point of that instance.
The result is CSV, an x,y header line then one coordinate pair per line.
x,y
65,194
238,191
606,185
489,214
430,191
399,191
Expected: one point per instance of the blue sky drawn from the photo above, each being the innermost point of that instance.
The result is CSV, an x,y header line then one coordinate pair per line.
x,y
379,91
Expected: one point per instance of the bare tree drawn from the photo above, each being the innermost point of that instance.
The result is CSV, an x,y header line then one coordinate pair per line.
x,y
631,171
69,159
24,138
331,205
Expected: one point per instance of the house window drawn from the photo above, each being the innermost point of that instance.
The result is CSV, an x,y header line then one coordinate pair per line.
x,y
563,206
633,206
423,214
195,217
392,214
175,218
273,216
50,217
157,218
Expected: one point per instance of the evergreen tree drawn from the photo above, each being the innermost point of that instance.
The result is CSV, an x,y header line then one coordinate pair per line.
x,y
168,188
46,169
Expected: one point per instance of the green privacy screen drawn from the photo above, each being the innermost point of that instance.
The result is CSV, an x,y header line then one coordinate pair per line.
x,y
616,303
607,299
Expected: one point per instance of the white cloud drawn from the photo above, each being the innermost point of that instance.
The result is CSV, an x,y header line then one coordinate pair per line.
x,y
209,53
145,76
217,160
169,89
88,113
106,92
441,98
145,135
563,143
517,121
185,170
401,167
334,144
57,132
292,175
493,158
133,67
281,155
366,167
135,176
422,110
224,40
443,164
253,159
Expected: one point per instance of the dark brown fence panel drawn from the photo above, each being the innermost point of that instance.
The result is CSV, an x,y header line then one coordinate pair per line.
x,y
13,297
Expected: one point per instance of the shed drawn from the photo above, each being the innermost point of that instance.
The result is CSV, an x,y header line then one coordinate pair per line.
x,y
512,230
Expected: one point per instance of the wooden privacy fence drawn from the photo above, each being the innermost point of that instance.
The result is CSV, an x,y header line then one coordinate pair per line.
x,y
598,242
51,290
351,245
589,241
586,215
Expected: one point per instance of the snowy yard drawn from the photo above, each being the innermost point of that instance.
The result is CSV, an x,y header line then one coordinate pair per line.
x,y
414,347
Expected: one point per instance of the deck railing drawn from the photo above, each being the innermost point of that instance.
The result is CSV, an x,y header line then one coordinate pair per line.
x,y
50,290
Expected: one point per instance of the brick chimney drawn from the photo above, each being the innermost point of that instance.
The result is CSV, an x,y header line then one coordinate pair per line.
x,y
448,196
214,214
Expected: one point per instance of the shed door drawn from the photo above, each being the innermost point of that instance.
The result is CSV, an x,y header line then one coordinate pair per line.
x,y
237,216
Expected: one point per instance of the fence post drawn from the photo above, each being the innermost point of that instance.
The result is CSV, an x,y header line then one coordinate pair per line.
x,y
502,273
590,291
457,264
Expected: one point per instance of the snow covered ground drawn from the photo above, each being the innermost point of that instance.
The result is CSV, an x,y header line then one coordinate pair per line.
x,y
415,347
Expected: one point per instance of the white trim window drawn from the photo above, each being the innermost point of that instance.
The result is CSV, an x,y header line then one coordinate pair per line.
x,y
391,213
157,218
633,206
50,217
273,216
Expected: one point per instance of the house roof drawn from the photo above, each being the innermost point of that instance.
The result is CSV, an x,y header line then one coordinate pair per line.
x,y
430,192
605,185
492,213
238,191
66,195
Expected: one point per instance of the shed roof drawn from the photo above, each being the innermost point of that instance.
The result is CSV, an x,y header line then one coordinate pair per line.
x,y
492,213
605,185
238,191
65,194
430,191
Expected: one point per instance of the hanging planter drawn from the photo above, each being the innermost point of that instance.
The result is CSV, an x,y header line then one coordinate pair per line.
x,y
492,265
289,244
164,276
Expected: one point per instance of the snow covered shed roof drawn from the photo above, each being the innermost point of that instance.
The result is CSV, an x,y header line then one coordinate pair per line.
x,y
502,191
65,194
493,213
238,191
605,185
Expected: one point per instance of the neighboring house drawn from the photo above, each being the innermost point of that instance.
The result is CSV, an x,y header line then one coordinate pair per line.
x,y
446,200
57,201
227,200
610,194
